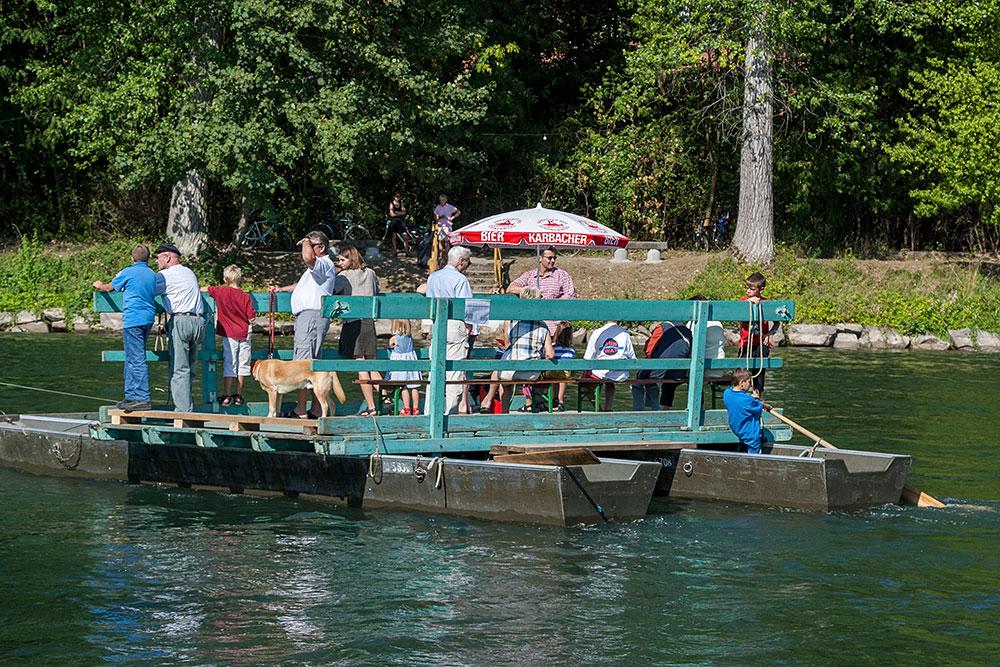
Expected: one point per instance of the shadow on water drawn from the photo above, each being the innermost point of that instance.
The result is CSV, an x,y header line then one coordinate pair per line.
x,y
108,572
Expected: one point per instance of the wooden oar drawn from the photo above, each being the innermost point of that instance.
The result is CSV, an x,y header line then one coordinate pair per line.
x,y
911,495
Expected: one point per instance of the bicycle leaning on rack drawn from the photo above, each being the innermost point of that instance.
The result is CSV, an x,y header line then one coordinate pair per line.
x,y
263,231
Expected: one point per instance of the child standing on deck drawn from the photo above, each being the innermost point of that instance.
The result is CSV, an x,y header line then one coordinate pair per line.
x,y
743,407
402,348
755,335
233,311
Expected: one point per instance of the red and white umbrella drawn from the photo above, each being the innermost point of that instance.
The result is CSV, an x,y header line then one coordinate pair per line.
x,y
538,227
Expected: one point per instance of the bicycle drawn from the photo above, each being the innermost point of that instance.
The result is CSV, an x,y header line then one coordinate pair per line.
x,y
407,236
261,231
714,236
354,232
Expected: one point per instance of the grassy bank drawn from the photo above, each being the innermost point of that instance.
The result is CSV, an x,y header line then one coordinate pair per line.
x,y
920,297
927,295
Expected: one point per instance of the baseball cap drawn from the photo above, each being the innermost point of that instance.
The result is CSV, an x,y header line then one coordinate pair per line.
x,y
167,247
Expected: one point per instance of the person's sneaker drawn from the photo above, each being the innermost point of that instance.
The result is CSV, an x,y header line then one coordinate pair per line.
x,y
122,403
559,408
134,406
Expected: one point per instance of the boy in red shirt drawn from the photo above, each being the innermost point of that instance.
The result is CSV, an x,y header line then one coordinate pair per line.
x,y
755,344
233,311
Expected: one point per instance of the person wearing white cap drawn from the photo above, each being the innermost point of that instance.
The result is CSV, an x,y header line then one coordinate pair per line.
x,y
182,301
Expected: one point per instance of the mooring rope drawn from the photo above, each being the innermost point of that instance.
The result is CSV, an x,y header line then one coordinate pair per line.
x,y
272,304
439,460
52,391
376,456
760,339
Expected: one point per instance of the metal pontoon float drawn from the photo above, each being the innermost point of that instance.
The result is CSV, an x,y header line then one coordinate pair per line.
x,y
435,462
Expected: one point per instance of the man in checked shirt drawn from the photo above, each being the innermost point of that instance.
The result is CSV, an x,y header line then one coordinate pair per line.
x,y
554,283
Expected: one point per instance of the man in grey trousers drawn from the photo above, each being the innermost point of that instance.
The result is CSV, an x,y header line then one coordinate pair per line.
x,y
182,300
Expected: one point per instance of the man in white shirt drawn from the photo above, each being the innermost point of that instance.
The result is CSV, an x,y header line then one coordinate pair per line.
x,y
307,305
182,301
450,282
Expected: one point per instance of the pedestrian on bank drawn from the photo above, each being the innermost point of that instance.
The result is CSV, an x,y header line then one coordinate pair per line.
x,y
137,283
185,309
234,312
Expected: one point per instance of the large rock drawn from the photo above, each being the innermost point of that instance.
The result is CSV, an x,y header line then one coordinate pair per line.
x,y
80,324
987,341
260,324
53,314
928,342
811,335
733,337
383,328
846,327
778,339
845,340
58,326
883,338
112,321
26,317
31,327
961,339
580,336
6,319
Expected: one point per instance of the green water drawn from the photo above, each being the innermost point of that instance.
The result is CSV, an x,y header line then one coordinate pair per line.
x,y
96,572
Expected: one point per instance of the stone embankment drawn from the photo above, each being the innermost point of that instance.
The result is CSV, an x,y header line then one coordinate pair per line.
x,y
841,336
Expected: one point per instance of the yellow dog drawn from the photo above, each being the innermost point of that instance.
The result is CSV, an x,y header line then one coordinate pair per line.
x,y
278,377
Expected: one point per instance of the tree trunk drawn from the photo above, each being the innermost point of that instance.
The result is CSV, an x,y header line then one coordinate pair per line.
x,y
186,221
753,241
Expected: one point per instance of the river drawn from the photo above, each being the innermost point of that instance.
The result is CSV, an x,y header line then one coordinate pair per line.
x,y
104,572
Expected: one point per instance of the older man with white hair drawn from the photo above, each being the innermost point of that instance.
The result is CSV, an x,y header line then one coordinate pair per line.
x,y
450,282
182,300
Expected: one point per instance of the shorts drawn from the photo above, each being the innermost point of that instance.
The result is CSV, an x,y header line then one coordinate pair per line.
x,y
524,376
556,375
310,330
357,339
442,232
235,357
396,225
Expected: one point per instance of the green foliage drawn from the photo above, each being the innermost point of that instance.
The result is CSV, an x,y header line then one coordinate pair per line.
x,y
848,290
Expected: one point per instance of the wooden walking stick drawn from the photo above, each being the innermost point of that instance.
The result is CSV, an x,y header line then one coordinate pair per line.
x,y
911,495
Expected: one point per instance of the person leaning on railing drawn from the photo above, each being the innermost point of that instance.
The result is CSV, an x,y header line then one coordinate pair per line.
x,y
528,339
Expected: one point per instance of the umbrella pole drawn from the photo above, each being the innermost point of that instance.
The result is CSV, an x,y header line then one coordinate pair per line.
x,y
538,266
497,268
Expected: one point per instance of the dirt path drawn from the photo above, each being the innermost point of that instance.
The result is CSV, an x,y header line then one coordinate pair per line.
x,y
595,276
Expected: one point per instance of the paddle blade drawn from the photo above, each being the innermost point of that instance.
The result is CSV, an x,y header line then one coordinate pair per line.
x,y
914,496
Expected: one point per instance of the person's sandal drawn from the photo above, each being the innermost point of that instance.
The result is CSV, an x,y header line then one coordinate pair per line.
x,y
225,399
238,399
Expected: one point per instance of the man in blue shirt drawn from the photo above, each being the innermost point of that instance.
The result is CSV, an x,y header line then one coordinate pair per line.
x,y
744,410
137,283
450,282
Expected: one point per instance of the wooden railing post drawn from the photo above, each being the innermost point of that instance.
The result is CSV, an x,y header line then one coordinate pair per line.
x,y
209,376
435,403
696,379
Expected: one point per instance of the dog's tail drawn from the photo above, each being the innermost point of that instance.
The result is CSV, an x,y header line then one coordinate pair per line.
x,y
338,391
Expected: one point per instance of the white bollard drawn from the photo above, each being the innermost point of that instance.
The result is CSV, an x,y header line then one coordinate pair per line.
x,y
653,256
621,256
372,254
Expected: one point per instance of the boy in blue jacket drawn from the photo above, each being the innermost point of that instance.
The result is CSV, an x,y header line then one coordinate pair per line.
x,y
743,407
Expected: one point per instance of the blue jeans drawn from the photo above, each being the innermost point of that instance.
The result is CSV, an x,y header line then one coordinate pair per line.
x,y
136,372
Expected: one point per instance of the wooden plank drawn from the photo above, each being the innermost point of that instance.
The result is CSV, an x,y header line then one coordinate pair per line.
x,y
570,456
597,446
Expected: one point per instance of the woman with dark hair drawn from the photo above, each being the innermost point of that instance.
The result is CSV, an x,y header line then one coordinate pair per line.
x,y
357,338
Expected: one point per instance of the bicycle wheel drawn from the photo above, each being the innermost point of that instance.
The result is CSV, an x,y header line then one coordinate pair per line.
x,y
356,232
285,240
325,228
251,239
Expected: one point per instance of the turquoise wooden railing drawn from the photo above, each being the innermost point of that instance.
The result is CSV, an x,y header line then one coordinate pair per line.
x,y
433,362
